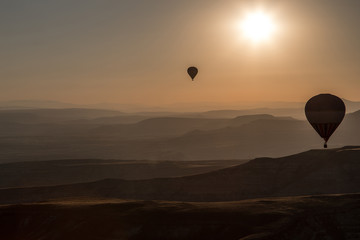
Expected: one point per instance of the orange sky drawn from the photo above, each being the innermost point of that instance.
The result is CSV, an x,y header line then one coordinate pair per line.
x,y
137,51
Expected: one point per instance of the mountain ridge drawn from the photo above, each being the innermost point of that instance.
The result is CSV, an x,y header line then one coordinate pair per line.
x,y
332,171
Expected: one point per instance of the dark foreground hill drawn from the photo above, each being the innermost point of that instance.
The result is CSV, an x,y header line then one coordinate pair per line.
x,y
330,171
332,217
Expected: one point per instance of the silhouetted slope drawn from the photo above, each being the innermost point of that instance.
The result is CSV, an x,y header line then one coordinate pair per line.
x,y
123,119
351,106
349,130
295,111
171,126
57,172
312,172
263,137
297,218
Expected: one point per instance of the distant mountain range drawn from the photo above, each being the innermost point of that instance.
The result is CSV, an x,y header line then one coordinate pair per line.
x,y
295,108
48,134
174,126
313,172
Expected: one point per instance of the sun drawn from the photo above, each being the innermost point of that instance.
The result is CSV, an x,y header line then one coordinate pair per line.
x,y
257,26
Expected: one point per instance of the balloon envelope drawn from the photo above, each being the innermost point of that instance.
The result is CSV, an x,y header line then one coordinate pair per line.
x,y
192,71
325,112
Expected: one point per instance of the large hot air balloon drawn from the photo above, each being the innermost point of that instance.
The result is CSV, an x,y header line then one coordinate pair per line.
x,y
192,71
325,113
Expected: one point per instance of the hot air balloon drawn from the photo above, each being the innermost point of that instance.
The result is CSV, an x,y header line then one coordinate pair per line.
x,y
192,71
325,112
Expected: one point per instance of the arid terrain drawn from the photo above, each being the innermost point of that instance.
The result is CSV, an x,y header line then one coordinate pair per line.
x,y
333,217
105,174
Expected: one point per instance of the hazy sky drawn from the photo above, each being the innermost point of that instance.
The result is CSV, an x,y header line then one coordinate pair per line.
x,y
137,51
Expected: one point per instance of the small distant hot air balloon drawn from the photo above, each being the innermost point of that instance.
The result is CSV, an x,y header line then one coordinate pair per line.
x,y
325,112
192,71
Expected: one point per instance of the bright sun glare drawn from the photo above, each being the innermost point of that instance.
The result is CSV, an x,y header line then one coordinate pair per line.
x,y
257,26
